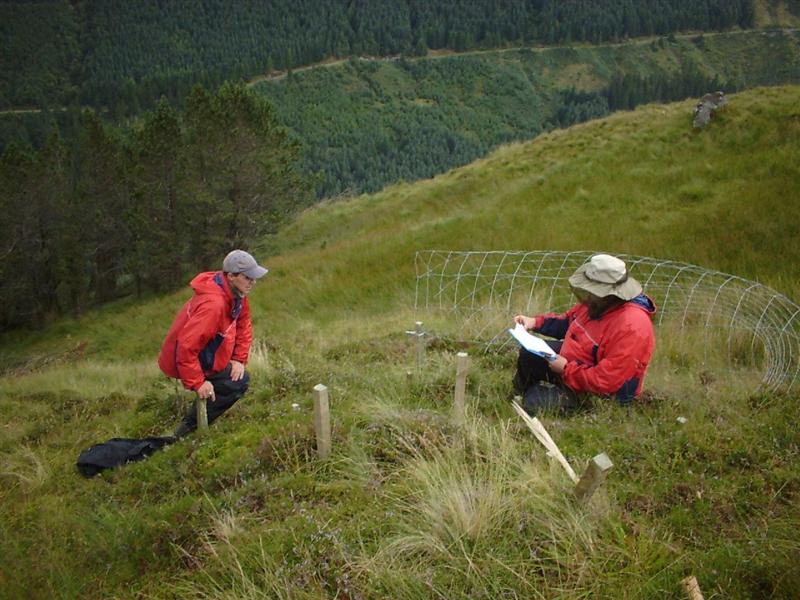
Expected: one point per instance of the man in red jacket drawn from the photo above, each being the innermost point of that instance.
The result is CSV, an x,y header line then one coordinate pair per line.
x,y
606,344
209,341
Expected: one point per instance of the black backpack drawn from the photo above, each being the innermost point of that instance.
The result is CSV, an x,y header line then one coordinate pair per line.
x,y
118,451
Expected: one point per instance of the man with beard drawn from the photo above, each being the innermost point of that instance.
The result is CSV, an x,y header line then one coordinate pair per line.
x,y
604,345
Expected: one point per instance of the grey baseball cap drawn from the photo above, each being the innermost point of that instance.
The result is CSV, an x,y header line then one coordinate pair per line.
x,y
240,261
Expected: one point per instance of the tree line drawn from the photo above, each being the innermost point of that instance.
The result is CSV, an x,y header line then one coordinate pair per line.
x,y
123,56
115,212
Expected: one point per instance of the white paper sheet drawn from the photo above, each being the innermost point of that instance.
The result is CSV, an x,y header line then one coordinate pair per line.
x,y
532,343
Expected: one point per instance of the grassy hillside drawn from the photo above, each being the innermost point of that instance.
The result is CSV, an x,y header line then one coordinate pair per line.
x,y
411,505
367,123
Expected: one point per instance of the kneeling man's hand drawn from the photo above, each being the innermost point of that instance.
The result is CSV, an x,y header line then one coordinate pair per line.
x,y
206,391
237,370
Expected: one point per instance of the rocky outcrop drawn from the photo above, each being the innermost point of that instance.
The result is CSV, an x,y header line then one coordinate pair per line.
x,y
705,108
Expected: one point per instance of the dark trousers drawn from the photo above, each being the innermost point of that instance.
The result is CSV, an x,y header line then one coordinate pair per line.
x,y
226,392
540,388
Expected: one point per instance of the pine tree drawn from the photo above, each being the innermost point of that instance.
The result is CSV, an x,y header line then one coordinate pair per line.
x,y
18,220
158,217
245,167
104,200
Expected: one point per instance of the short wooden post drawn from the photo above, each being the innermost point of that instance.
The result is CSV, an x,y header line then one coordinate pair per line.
x,y
322,421
202,414
692,588
593,477
462,365
420,344
409,378
180,398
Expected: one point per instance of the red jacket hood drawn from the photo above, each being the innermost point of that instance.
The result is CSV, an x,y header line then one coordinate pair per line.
x,y
204,283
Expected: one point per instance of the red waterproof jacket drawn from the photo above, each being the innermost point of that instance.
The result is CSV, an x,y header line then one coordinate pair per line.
x,y
608,355
211,329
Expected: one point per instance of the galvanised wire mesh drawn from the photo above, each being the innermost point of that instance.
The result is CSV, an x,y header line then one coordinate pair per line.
x,y
741,321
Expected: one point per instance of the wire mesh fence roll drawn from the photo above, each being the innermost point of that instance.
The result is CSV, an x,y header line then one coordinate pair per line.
x,y
737,323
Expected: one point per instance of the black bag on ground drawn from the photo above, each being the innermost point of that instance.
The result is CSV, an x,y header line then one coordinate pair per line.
x,y
118,451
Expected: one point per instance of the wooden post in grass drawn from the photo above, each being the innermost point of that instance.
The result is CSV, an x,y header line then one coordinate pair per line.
x,y
322,421
593,477
692,588
202,415
420,344
462,365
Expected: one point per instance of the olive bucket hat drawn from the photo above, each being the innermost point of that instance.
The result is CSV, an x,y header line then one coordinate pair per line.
x,y
605,275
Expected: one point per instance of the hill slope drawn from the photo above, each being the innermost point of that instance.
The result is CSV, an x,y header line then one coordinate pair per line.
x,y
368,123
410,505
123,54
641,182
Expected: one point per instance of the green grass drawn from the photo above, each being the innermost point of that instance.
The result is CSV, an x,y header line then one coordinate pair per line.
x,y
410,504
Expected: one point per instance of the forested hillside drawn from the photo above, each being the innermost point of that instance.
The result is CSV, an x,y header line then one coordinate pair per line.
x,y
367,123
110,214
125,55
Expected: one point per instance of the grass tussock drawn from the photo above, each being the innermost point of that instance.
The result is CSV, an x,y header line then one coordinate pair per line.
x,y
469,493
25,468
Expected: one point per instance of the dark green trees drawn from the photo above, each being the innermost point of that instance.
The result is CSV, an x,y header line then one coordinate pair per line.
x,y
103,200
117,214
242,165
159,212
120,55
34,194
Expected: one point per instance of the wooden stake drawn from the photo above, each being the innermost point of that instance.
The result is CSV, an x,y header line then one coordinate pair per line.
x,y
322,421
544,438
180,404
462,365
593,477
420,344
692,588
202,414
